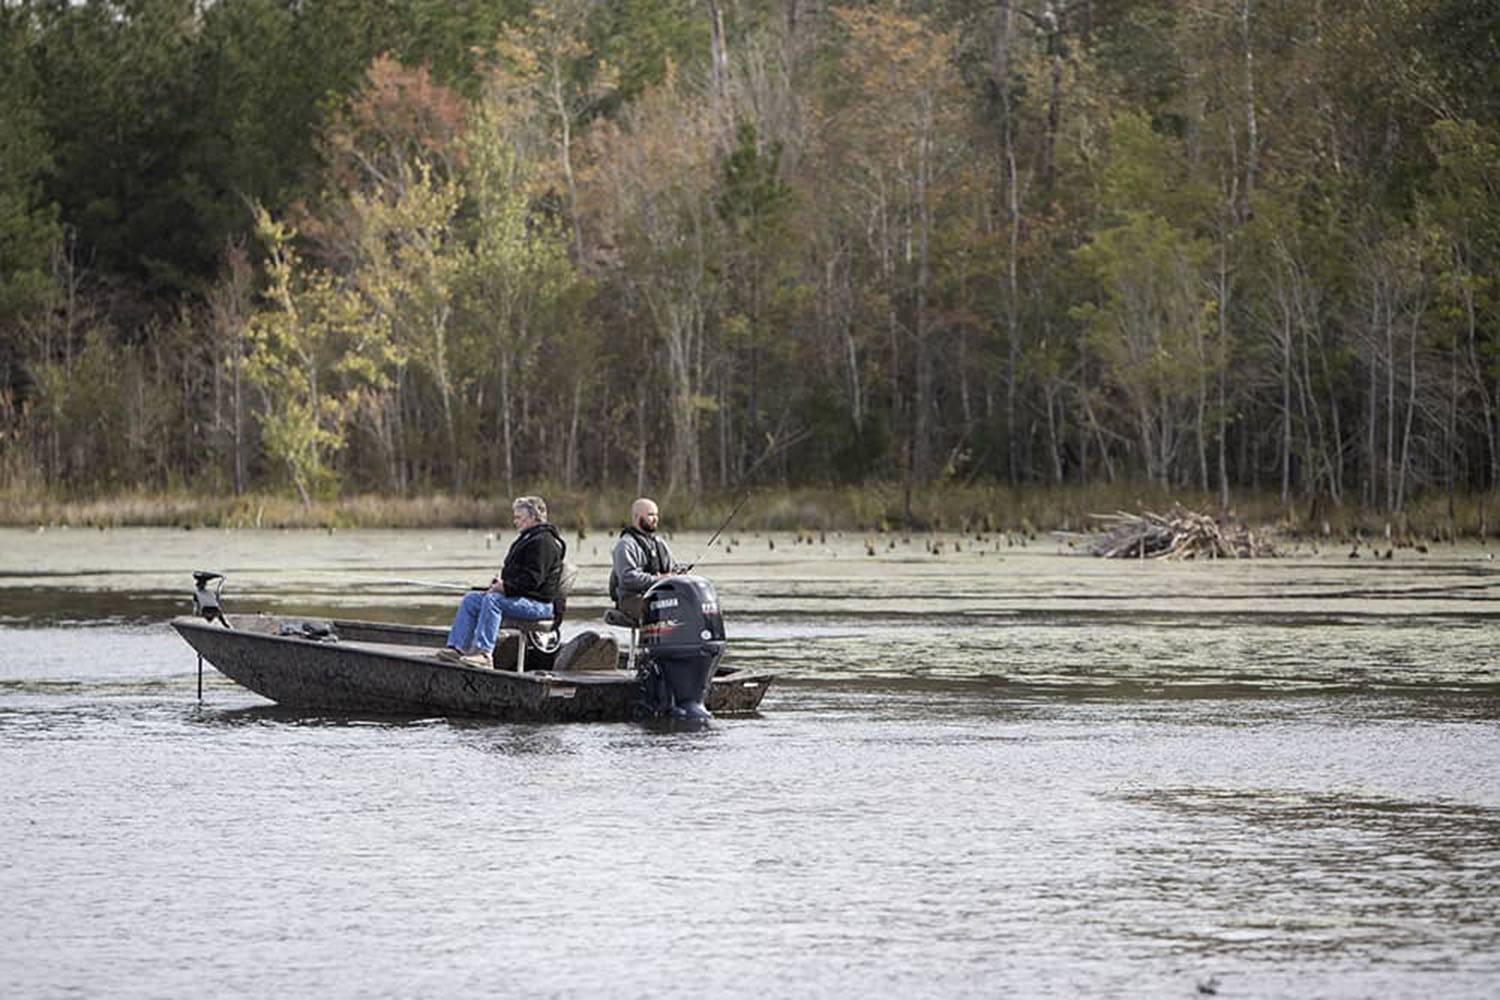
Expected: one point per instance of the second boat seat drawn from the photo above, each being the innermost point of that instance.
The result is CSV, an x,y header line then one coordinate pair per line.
x,y
620,619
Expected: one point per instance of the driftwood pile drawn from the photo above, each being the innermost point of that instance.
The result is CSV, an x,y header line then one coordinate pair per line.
x,y
1178,534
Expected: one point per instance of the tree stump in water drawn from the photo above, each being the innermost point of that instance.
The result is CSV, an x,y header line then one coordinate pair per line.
x,y
1178,534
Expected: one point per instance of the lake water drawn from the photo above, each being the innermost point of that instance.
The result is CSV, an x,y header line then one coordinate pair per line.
x,y
992,769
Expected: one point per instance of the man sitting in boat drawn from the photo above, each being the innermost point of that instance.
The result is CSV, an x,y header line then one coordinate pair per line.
x,y
526,587
640,559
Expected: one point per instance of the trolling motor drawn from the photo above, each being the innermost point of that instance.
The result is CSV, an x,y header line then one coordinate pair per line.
x,y
206,606
206,602
682,633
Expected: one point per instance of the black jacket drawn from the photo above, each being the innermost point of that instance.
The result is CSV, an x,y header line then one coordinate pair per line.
x,y
533,566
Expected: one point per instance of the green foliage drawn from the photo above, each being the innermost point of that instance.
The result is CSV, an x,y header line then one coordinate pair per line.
x,y
307,352
517,289
28,223
403,277
647,40
1148,171
1463,210
1461,40
1150,328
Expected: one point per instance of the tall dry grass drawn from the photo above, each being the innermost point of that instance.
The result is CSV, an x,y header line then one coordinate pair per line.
x,y
870,507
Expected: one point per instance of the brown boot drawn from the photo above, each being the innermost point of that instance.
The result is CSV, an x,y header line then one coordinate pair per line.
x,y
479,658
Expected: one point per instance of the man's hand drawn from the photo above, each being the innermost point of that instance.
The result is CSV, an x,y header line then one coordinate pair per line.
x,y
497,586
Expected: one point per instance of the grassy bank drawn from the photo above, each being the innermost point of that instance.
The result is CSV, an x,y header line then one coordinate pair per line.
x,y
867,508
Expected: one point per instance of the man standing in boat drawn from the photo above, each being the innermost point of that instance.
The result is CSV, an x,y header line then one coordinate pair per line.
x,y
525,588
640,559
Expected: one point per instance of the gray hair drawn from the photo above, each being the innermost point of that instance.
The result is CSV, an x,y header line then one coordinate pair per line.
x,y
534,506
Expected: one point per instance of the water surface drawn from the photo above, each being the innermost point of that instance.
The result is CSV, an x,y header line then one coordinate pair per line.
x,y
1007,768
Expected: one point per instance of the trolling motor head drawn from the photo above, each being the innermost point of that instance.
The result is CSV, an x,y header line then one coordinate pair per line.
x,y
683,634
206,602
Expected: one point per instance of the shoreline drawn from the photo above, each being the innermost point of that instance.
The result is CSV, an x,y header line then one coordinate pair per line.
x,y
876,508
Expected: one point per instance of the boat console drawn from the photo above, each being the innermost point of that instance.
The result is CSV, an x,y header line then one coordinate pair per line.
x,y
682,632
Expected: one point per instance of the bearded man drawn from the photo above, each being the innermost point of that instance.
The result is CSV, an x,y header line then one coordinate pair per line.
x,y
640,559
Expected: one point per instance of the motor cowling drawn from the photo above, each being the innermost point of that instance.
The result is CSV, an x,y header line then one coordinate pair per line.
x,y
682,635
206,603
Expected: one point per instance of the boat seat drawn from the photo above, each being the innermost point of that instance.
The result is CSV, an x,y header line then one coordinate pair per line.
x,y
623,619
591,651
528,629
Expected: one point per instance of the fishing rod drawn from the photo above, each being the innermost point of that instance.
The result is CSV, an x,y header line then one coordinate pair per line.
x,y
439,584
771,449
688,568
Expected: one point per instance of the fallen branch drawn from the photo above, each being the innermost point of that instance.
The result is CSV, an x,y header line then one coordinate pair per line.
x,y
1178,534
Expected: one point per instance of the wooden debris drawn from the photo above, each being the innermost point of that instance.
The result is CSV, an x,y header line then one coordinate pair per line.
x,y
1178,534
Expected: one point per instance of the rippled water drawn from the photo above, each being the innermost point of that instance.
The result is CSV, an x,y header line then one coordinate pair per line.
x,y
1002,769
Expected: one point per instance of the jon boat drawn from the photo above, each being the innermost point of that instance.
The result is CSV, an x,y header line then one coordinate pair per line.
x,y
346,665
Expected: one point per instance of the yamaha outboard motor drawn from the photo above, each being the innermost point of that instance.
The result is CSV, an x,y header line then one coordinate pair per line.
x,y
682,632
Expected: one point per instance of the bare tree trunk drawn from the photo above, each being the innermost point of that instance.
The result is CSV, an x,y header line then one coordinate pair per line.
x,y
1312,413
1054,436
1336,485
922,430
642,397
398,434
570,453
719,69
1200,416
1450,443
856,396
1481,383
1054,106
1371,487
565,150
1093,421
238,417
507,430
695,444
1252,131
1013,233
228,302
1390,408
1083,425
1286,405
1223,375
315,404
455,475
892,322
725,431
1411,405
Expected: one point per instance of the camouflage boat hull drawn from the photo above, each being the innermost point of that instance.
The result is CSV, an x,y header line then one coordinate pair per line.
x,y
389,669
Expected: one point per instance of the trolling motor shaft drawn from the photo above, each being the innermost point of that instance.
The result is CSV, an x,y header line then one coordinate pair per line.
x,y
206,605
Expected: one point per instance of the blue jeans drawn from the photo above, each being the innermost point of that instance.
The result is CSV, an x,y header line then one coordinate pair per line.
x,y
479,613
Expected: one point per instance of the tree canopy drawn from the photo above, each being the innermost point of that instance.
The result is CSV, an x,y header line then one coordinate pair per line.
x,y
432,245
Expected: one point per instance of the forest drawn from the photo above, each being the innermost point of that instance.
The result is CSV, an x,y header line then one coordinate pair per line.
x,y
411,247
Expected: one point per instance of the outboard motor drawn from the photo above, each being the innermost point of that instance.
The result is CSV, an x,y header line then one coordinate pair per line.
x,y
682,633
